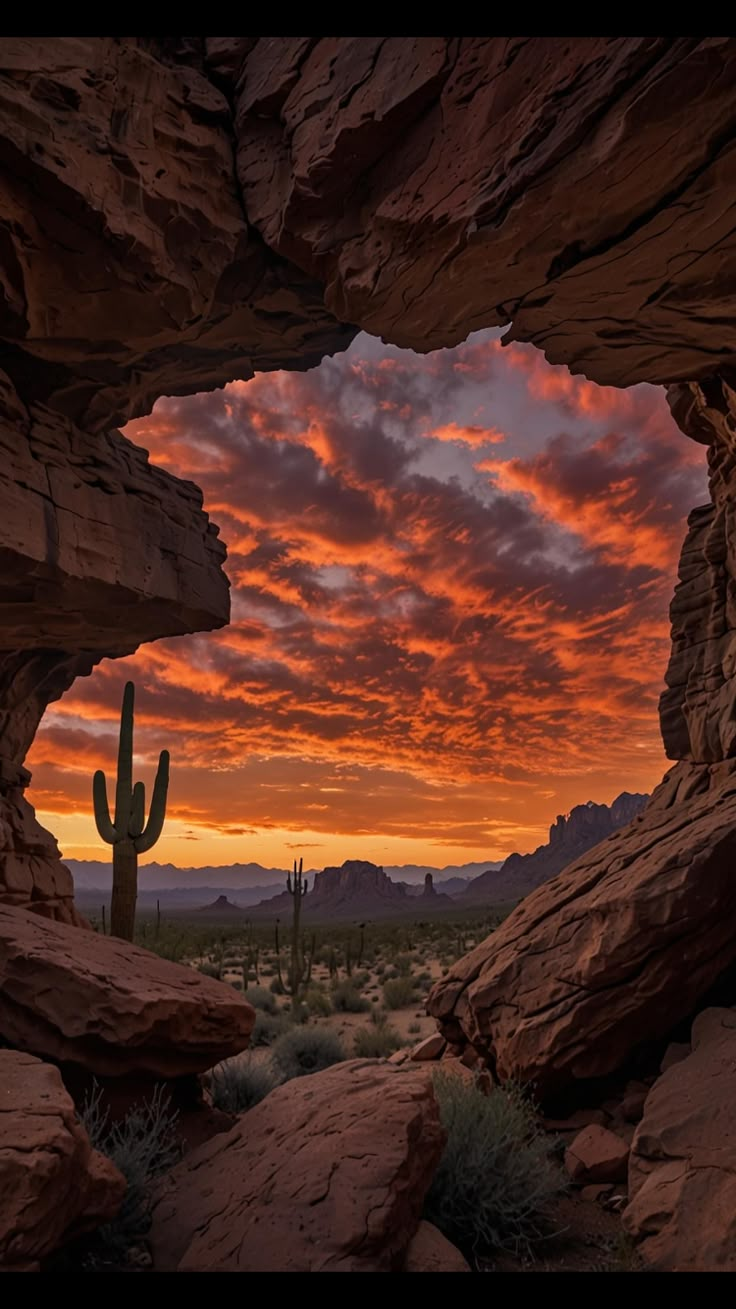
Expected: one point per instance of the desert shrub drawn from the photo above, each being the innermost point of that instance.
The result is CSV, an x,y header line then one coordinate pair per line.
x,y
362,980
297,1011
403,964
267,1028
211,970
262,999
398,992
497,1182
390,973
380,970
378,1016
277,986
306,1050
346,998
317,1002
143,1145
376,1042
414,1028
238,1084
267,971
237,985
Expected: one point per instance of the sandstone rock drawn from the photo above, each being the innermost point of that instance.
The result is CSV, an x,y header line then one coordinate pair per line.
x,y
632,1105
597,1155
111,552
53,1185
328,1174
682,1171
432,1047
614,951
359,160
674,1054
431,1252
109,1006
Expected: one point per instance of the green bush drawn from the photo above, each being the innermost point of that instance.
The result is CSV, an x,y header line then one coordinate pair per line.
x,y
262,999
276,987
317,1002
497,1182
376,1042
238,1084
267,1028
306,1050
346,999
143,1146
398,992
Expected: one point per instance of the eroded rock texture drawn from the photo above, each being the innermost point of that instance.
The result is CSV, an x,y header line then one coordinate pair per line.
x,y
682,1171
579,187
177,211
110,1007
327,1174
613,951
53,1185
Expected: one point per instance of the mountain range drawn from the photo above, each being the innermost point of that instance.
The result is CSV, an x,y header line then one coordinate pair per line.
x,y
570,836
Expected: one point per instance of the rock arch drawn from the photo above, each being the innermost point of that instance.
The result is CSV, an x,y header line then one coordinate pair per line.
x,y
179,211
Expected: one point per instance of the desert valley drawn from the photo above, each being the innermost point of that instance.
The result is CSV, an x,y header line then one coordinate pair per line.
x,y
367,700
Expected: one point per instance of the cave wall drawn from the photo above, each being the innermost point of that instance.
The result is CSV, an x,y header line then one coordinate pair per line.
x,y
179,211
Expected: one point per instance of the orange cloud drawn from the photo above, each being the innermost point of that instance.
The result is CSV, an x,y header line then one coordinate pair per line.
x,y
428,647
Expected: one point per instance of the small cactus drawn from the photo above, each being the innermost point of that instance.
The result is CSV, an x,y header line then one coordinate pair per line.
x,y
129,834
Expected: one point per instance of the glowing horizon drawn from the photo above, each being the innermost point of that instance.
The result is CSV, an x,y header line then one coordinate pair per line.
x,y
451,576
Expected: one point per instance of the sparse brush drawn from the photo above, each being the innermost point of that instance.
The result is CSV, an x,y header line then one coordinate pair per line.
x,y
398,992
268,1028
496,1184
318,1002
376,1042
414,1028
277,986
306,1050
346,998
142,1146
238,1084
262,999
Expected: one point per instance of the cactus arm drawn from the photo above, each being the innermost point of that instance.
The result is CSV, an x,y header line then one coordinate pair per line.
x,y
152,831
124,785
137,810
101,809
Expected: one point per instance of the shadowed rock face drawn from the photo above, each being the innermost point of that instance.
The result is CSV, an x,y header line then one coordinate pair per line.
x,y
177,211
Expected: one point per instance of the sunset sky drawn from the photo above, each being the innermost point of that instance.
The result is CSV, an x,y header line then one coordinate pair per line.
x,y
450,580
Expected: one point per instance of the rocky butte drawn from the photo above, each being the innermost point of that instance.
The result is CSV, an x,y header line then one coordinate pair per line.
x,y
178,211
570,835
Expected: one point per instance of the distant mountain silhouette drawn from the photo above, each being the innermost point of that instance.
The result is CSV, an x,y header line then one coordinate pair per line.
x,y
570,836
221,906
358,889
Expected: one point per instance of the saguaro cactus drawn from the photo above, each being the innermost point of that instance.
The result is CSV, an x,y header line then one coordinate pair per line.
x,y
300,971
129,834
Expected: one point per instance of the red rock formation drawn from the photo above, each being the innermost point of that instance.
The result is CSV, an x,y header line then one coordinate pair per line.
x,y
327,1174
53,1185
682,1171
570,835
579,187
175,210
110,1007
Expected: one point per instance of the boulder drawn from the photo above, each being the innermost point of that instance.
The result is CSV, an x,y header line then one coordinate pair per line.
x,y
432,1047
612,952
431,1252
682,1171
109,1006
328,1174
53,1185
597,1155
